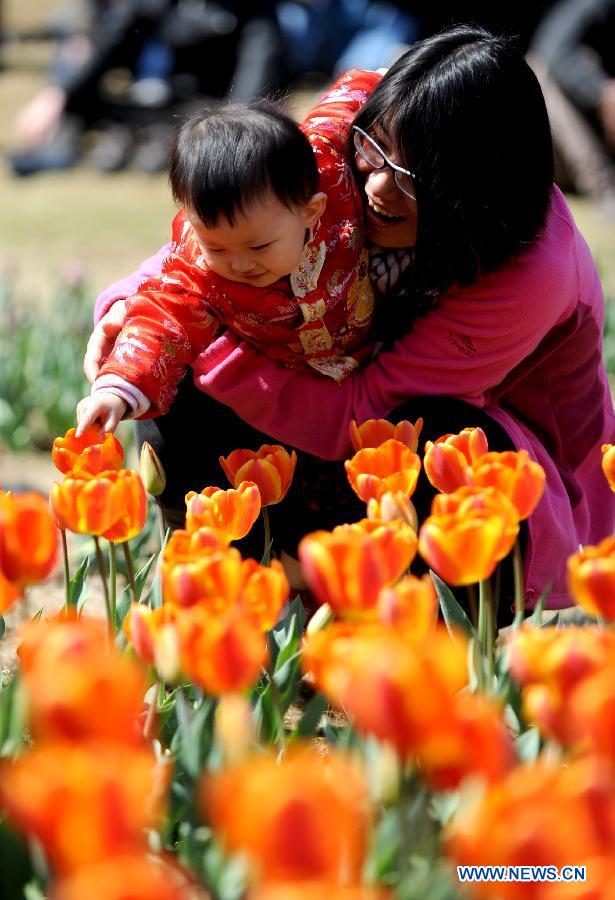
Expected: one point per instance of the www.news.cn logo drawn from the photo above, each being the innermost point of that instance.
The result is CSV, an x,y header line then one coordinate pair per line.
x,y
521,873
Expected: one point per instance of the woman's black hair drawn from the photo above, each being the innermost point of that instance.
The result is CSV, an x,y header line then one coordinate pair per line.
x,y
227,156
465,112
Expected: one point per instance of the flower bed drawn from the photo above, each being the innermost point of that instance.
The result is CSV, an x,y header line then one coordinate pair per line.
x,y
205,739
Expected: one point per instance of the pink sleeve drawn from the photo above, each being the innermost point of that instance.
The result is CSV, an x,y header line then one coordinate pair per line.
x,y
128,286
464,348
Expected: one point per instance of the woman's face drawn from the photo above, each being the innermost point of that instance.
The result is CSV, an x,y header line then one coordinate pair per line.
x,y
390,216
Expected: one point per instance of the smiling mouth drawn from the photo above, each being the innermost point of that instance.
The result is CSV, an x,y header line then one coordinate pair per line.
x,y
381,215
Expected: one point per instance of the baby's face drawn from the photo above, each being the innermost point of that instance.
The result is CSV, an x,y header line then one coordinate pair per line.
x,y
264,244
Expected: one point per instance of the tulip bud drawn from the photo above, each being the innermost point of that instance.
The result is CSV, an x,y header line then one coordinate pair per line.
x,y
321,618
234,727
393,506
383,772
151,470
167,653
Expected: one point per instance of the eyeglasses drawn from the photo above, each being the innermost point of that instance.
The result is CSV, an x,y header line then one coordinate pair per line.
x,y
369,150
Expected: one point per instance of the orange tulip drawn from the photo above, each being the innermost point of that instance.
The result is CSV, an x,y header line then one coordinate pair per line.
x,y
154,637
84,802
412,605
396,541
395,685
232,512
591,578
467,500
347,567
543,816
316,890
446,468
185,546
88,504
9,594
448,459
264,592
91,452
305,817
213,578
591,714
136,877
270,467
221,653
468,534
375,432
91,693
376,471
221,580
472,739
391,507
134,507
549,664
28,540
513,473
608,464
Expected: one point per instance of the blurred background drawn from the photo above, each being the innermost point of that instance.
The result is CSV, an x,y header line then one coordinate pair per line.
x,y
90,91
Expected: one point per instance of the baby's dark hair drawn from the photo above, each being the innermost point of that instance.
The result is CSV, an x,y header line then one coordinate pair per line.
x,y
227,156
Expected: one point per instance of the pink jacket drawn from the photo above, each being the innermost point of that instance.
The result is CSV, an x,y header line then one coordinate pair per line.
x,y
524,343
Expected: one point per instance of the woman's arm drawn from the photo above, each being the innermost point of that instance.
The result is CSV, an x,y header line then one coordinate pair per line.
x,y
110,312
129,285
466,347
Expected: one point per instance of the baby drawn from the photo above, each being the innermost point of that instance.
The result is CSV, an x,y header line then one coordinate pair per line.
x,y
269,244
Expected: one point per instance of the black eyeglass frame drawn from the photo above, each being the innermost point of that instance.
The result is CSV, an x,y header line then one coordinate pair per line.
x,y
397,170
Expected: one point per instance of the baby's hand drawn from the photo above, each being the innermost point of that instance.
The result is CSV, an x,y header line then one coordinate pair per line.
x,y
102,407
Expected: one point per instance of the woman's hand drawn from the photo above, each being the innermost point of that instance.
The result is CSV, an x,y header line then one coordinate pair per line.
x,y
102,339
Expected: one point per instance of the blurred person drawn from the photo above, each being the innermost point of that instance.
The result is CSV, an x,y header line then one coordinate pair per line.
x,y
574,49
332,36
176,50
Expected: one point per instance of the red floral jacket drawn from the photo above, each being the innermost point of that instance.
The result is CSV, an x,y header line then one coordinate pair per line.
x,y
319,316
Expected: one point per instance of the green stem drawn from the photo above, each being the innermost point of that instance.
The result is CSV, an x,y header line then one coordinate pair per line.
x,y
113,584
407,835
277,702
103,578
267,549
162,528
66,569
519,593
131,571
473,604
148,728
486,630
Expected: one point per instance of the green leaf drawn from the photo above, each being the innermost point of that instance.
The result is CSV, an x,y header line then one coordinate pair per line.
x,y
126,598
312,714
266,557
454,614
77,588
156,594
194,738
12,716
266,715
552,623
2,626
536,617
15,863
528,745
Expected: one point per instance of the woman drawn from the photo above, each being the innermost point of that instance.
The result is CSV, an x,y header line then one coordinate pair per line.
x,y
490,310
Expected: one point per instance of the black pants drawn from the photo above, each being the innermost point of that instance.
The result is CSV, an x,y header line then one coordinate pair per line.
x,y
198,430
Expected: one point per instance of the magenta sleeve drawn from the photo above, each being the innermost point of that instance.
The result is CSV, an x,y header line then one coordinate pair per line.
x,y
129,285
